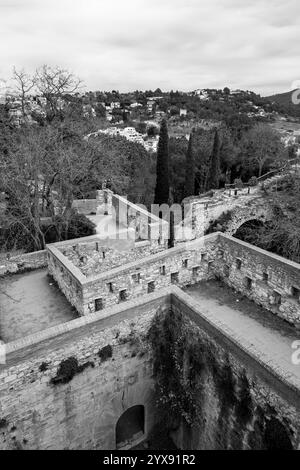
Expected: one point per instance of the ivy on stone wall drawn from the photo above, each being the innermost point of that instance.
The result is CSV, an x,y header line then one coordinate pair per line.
x,y
105,353
136,340
68,369
183,361
178,364
3,423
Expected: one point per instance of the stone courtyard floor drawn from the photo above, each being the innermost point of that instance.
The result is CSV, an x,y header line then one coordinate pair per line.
x,y
269,336
29,303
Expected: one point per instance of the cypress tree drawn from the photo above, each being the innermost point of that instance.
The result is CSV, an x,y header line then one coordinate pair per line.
x,y
214,170
162,187
189,187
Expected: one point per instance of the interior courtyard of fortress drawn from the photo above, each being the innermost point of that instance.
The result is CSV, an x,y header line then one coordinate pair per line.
x,y
81,370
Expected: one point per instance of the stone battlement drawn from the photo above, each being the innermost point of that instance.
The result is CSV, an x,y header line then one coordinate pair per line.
x,y
267,279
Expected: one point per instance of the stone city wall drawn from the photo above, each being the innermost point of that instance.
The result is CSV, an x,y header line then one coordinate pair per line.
x,y
182,265
68,277
269,280
146,225
23,262
242,403
201,213
46,405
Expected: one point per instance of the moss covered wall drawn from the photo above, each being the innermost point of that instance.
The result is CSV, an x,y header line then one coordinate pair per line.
x,y
212,398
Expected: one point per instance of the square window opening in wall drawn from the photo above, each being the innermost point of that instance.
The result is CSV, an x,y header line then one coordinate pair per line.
x,y
239,263
226,270
151,287
123,295
185,263
136,277
248,283
203,256
174,278
265,277
277,297
110,287
98,304
195,271
210,265
296,293
162,270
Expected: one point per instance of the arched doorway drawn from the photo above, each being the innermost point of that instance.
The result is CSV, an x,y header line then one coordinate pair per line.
x,y
276,436
130,428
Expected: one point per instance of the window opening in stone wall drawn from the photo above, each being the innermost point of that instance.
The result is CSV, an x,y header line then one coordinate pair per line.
x,y
151,287
98,305
123,295
162,270
248,282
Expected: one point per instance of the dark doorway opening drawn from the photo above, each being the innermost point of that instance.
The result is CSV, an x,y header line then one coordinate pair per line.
x,y
130,429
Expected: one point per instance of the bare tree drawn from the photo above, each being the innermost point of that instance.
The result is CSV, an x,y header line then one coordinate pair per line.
x,y
24,83
40,177
53,84
262,145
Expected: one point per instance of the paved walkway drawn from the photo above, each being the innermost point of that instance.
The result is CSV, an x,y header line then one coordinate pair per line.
x,y
253,326
29,303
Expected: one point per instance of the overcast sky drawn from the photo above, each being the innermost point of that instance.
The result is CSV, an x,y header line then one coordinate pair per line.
x,y
145,44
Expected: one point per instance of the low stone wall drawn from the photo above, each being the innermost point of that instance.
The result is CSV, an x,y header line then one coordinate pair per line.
x,y
23,262
68,277
269,280
146,225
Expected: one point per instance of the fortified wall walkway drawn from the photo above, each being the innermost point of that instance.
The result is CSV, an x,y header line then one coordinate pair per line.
x,y
257,330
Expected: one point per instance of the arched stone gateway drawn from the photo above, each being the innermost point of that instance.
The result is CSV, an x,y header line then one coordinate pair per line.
x,y
130,428
135,394
221,213
249,229
244,215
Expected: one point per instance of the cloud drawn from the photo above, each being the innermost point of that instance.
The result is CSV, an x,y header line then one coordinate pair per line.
x,y
173,44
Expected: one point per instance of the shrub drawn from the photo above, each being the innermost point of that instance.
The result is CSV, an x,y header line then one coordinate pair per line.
x,y
76,227
67,369
238,183
43,367
253,181
105,353
3,423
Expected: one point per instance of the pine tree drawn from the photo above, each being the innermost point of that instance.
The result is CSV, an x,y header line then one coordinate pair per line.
x,y
214,170
162,187
189,187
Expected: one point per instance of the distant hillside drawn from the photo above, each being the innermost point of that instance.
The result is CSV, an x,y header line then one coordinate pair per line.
x,y
284,101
